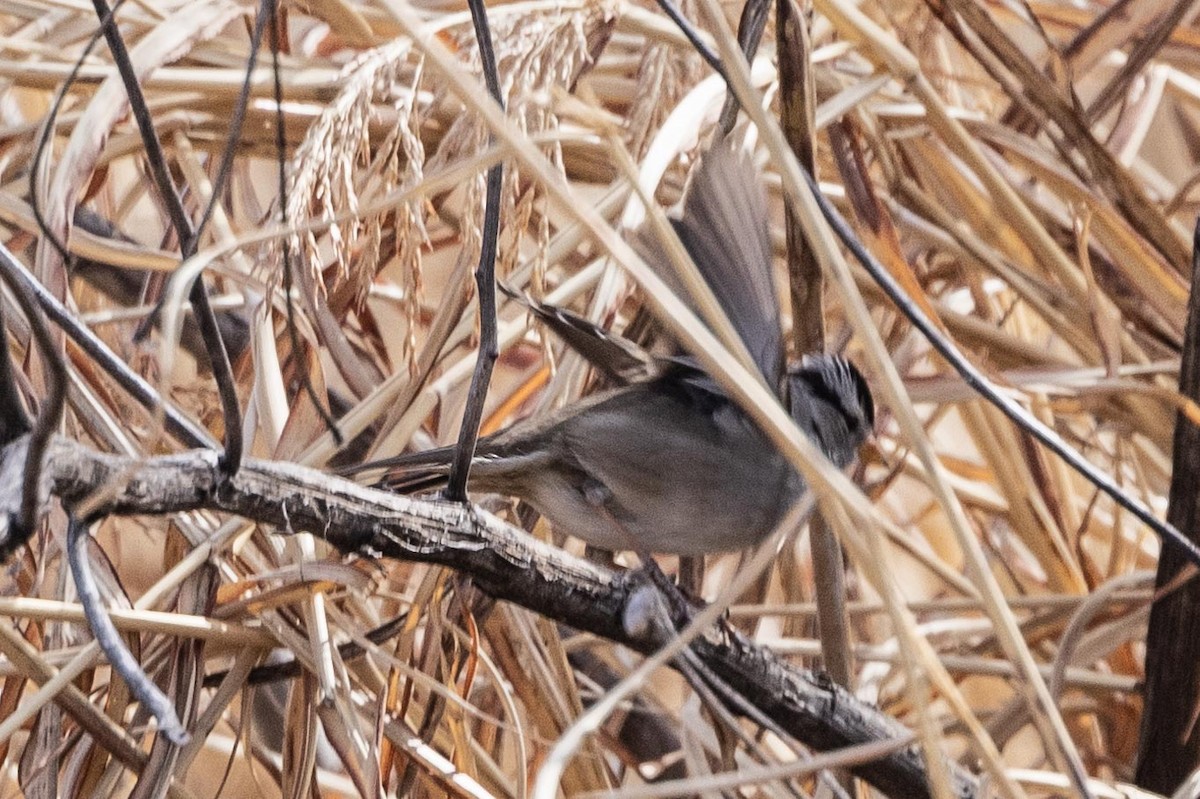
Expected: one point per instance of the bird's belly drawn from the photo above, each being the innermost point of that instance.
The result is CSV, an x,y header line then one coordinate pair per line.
x,y
572,512
667,522
702,526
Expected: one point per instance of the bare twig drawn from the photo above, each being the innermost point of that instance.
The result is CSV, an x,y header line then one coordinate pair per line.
x,y
266,11
109,640
207,320
685,25
485,280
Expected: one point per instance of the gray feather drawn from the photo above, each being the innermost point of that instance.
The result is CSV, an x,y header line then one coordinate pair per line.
x,y
725,229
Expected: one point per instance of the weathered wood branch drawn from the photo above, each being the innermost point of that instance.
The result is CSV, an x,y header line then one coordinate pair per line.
x,y
505,562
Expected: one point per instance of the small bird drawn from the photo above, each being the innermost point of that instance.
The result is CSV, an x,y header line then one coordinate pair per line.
x,y
669,463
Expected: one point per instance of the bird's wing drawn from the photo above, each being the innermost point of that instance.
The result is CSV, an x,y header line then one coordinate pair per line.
x,y
725,230
615,356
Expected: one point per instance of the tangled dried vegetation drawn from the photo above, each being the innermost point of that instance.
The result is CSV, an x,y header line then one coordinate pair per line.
x,y
1026,170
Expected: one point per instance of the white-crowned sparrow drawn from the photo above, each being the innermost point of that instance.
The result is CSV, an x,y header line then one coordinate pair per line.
x,y
670,464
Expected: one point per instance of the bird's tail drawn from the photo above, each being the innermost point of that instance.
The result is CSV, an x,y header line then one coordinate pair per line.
x,y
409,473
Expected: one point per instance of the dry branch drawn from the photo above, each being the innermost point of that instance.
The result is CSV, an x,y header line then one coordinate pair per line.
x,y
503,561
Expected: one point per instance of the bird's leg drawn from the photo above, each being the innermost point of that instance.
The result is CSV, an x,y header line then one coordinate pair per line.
x,y
680,606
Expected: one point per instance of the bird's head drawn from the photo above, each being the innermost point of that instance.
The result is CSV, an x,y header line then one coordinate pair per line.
x,y
831,402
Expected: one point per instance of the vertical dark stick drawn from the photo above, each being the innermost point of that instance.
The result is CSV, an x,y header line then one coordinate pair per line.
x,y
485,281
225,168
206,319
1169,745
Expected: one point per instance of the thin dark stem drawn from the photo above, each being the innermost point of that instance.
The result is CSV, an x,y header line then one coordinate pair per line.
x,y
177,424
109,640
271,10
50,409
979,383
205,318
693,36
750,31
225,168
487,52
485,280
155,156
44,136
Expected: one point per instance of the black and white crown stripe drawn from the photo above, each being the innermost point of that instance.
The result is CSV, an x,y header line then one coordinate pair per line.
x,y
839,382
